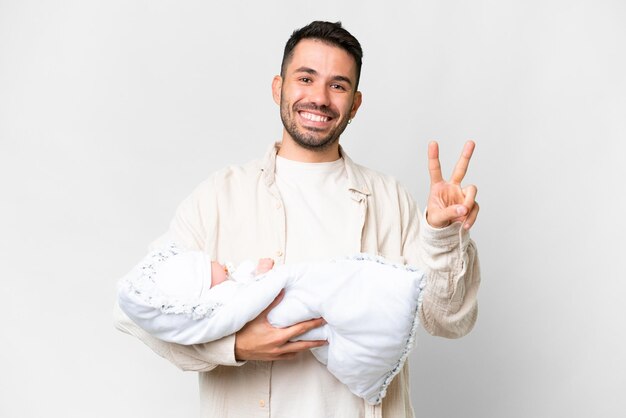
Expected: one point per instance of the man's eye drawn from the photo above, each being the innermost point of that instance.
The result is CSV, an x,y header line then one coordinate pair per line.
x,y
305,79
337,87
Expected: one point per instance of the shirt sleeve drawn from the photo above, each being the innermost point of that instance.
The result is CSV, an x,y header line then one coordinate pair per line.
x,y
195,220
450,259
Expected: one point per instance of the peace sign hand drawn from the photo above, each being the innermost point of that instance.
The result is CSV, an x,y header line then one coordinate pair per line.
x,y
448,202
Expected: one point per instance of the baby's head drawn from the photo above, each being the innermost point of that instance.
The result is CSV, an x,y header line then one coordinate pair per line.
x,y
219,273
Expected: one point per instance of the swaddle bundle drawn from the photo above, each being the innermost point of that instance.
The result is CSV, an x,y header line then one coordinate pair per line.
x,y
370,306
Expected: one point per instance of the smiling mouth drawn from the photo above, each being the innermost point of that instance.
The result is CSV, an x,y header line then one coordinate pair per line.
x,y
313,117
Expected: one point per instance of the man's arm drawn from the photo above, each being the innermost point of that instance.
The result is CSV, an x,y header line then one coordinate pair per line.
x,y
259,340
197,357
193,221
450,305
192,227
440,239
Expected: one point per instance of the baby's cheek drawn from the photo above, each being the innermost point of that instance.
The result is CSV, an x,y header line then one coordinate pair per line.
x,y
218,274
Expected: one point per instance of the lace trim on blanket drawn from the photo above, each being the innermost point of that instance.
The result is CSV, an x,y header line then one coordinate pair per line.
x,y
410,343
144,286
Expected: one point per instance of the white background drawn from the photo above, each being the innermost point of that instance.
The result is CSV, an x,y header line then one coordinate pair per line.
x,y
111,112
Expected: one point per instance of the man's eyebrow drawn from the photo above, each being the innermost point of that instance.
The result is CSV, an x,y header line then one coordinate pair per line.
x,y
311,71
344,79
306,70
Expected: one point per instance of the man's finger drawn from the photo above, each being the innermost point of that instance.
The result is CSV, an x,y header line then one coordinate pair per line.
x,y
461,166
296,346
443,218
434,166
302,327
471,218
470,196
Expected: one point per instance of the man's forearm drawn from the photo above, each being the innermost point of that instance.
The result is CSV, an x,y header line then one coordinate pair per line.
x,y
450,304
197,357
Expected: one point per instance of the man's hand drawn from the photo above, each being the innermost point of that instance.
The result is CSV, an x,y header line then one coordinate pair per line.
x,y
448,202
259,340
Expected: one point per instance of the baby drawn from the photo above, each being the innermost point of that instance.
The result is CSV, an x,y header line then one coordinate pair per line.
x,y
370,306
220,272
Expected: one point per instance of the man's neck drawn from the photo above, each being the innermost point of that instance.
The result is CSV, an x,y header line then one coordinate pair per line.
x,y
292,151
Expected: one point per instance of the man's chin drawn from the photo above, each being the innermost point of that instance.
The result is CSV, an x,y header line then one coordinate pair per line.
x,y
315,144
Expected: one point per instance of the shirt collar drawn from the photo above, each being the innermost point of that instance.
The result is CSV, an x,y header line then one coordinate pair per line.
x,y
356,180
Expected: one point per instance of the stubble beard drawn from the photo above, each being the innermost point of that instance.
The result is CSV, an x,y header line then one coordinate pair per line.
x,y
309,141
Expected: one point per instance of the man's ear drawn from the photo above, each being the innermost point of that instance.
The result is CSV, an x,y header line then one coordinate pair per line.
x,y
277,85
356,103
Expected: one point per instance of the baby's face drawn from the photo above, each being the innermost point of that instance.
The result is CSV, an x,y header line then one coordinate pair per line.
x,y
219,273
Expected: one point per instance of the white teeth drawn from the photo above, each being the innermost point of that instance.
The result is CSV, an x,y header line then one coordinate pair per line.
x,y
314,118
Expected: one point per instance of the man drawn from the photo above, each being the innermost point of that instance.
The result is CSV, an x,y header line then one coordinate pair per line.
x,y
305,201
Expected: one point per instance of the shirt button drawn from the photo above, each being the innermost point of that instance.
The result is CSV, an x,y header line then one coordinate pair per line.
x,y
278,205
279,253
261,403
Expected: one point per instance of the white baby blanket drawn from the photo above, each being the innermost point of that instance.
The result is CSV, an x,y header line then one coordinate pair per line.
x,y
370,306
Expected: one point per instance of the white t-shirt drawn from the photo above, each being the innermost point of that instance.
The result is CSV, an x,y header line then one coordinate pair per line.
x,y
321,222
318,208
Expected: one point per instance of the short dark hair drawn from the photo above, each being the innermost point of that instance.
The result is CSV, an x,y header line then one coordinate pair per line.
x,y
330,33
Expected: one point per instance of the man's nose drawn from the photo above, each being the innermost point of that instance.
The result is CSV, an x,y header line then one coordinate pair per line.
x,y
320,95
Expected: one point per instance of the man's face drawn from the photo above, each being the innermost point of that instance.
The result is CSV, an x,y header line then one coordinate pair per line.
x,y
317,94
